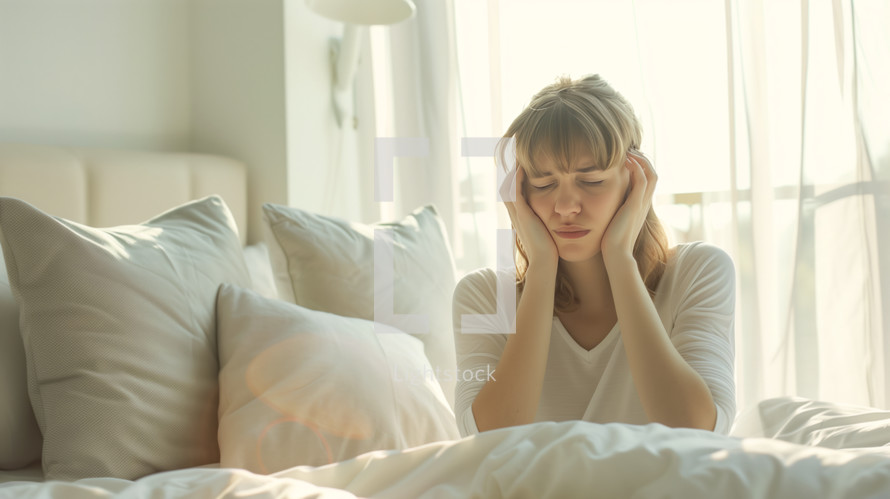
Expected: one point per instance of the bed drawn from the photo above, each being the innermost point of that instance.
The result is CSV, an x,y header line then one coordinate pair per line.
x,y
149,351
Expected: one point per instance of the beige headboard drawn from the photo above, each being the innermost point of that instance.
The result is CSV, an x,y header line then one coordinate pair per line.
x,y
107,187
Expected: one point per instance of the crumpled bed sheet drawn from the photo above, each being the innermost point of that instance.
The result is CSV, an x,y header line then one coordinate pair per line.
x,y
568,459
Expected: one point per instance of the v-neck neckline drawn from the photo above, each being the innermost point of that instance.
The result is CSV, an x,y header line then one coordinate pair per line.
x,y
578,349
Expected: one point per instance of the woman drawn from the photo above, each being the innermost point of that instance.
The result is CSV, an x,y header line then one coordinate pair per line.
x,y
611,324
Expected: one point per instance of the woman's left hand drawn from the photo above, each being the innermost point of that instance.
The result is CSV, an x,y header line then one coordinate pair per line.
x,y
626,224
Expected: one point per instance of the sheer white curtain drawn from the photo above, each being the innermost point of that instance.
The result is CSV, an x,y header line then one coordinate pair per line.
x,y
806,209
769,124
415,96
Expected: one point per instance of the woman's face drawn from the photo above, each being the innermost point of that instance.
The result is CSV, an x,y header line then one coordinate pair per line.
x,y
577,206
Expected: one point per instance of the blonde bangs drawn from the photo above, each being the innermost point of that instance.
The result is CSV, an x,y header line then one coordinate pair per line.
x,y
556,129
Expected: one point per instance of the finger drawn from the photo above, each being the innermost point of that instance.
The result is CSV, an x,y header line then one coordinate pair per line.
x,y
637,177
508,186
511,212
520,182
521,202
521,211
507,193
651,176
504,191
643,171
648,168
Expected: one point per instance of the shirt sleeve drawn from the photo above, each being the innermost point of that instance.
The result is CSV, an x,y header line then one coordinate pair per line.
x,y
703,328
478,346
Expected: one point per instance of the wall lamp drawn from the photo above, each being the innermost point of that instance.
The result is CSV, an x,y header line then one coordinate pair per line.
x,y
356,16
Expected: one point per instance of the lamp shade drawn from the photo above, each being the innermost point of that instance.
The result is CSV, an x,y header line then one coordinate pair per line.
x,y
363,12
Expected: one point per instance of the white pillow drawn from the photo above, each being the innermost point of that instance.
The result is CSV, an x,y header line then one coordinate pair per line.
x,y
20,440
812,422
327,264
119,333
256,256
302,387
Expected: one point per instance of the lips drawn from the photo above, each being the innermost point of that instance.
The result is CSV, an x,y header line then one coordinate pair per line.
x,y
571,232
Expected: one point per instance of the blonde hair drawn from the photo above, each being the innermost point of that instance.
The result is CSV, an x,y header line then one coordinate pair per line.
x,y
588,115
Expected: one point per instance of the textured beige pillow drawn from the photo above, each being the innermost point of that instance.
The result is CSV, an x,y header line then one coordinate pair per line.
x,y
20,440
119,330
327,264
302,387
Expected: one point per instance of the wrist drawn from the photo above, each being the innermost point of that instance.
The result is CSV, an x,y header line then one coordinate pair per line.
x,y
542,268
619,260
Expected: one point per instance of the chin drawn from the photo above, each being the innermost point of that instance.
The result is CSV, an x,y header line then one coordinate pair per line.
x,y
572,255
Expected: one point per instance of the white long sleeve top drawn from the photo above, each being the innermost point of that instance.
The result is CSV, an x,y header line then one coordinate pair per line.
x,y
696,302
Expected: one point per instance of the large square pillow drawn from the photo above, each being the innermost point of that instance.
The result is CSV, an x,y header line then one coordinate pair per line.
x,y
302,387
119,332
20,440
328,264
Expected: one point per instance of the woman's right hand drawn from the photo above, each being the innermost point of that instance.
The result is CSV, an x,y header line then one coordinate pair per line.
x,y
530,229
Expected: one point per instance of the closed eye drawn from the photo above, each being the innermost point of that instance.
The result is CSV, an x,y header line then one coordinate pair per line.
x,y
542,187
598,182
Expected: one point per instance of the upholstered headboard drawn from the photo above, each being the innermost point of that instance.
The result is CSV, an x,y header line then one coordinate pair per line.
x,y
107,187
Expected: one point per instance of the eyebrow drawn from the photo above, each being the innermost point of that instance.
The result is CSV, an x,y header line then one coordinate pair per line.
x,y
580,170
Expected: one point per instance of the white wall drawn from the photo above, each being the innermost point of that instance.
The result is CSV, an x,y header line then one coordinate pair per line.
x,y
329,165
238,93
95,73
243,78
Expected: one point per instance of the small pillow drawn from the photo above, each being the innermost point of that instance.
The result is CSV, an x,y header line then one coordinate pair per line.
x,y
327,264
119,330
20,440
812,422
302,387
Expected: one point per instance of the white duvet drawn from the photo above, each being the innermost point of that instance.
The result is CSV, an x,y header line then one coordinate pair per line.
x,y
570,459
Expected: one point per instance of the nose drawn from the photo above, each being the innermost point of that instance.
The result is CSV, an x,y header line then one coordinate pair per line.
x,y
568,201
